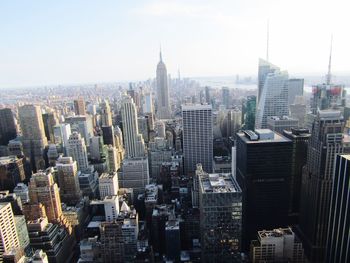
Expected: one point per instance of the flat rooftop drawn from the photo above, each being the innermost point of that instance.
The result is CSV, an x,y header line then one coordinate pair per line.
x,y
346,156
279,232
7,159
261,136
219,183
196,107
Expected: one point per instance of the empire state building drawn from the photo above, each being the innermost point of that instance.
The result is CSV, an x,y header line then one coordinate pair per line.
x,y
163,107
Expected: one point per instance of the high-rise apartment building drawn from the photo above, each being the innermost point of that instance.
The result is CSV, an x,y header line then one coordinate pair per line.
x,y
197,137
338,244
278,245
317,182
8,234
220,205
295,88
273,97
68,181
77,150
79,107
8,129
33,132
263,172
108,184
163,105
133,141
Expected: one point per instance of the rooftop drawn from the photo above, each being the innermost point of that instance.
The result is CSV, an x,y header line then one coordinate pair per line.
x,y
279,232
219,183
261,136
196,107
7,159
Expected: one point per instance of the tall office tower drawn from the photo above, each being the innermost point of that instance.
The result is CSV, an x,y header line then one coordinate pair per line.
x,y
248,112
79,107
8,235
325,143
234,122
135,174
108,135
34,139
44,190
119,238
158,153
82,125
278,245
62,133
163,105
11,172
265,68
67,175
297,110
172,240
281,123
295,88
220,205
147,106
133,141
338,244
134,95
77,150
113,160
273,100
326,96
50,121
263,172
197,137
106,114
208,95
21,190
225,97
300,138
15,147
8,129
142,123
108,184
96,148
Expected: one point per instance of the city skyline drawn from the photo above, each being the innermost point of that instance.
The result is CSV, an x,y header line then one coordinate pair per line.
x,y
85,42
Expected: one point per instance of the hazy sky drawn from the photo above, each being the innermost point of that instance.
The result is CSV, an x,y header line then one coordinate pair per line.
x,y
46,42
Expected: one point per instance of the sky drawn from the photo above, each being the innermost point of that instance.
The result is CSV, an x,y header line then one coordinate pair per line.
x,y
47,42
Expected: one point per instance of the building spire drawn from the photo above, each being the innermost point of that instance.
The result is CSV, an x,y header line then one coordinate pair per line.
x,y
329,75
267,39
160,52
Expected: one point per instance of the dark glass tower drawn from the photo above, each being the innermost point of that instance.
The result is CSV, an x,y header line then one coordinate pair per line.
x,y
8,129
263,172
338,245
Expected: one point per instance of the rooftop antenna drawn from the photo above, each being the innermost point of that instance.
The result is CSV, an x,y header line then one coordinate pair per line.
x,y
267,39
160,52
329,75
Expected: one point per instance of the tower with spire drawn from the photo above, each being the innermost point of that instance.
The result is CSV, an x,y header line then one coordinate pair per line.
x,y
163,106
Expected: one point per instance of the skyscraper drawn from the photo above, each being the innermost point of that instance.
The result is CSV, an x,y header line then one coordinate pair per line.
x,y
8,130
43,190
197,137
265,68
106,114
220,205
273,98
163,106
79,106
295,88
8,234
50,121
33,132
248,112
338,244
133,141
108,184
77,150
325,143
225,94
67,175
263,173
